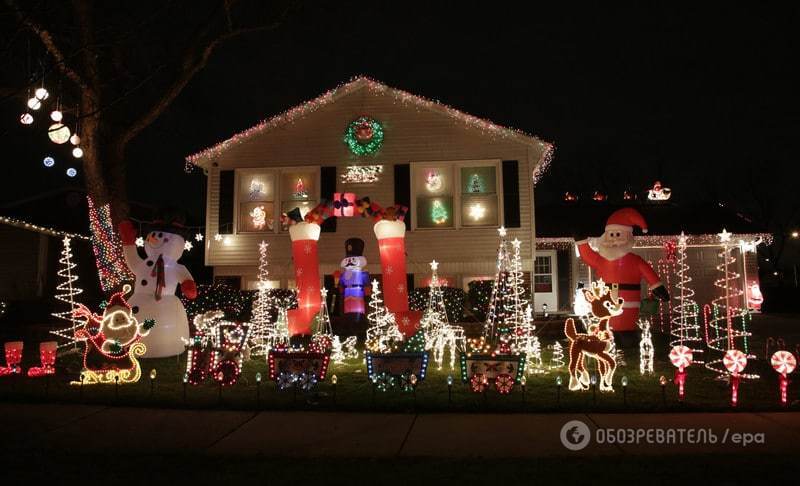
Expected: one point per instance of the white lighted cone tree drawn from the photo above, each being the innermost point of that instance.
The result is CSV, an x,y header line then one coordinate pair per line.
x,y
66,291
504,313
727,329
262,328
440,335
383,335
557,358
685,329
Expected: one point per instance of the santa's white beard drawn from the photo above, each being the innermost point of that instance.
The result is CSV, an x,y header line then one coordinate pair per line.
x,y
613,252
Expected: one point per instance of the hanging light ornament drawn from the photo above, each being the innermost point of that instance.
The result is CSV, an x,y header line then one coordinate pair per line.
x,y
75,139
34,103
71,172
77,152
42,94
58,133
49,161
56,115
26,118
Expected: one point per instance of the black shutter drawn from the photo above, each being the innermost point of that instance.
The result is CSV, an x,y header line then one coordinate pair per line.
x,y
511,194
402,189
327,185
226,189
565,290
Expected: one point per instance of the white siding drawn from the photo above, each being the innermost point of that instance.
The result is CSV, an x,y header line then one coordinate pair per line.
x,y
411,134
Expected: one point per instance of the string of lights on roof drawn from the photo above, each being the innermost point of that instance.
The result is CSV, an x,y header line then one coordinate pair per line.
x,y
400,96
40,229
747,241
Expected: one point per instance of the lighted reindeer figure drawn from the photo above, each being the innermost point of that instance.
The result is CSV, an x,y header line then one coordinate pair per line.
x,y
597,343
645,348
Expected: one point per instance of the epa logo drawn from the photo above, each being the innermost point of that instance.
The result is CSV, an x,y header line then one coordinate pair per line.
x,y
575,435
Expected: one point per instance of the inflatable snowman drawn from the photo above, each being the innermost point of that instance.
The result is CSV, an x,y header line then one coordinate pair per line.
x,y
157,278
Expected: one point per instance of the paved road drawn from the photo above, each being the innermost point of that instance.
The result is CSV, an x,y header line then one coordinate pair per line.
x,y
65,427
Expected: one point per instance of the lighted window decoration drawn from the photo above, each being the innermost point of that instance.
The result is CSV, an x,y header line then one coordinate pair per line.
x,y
659,192
256,190
361,174
254,217
433,181
439,214
479,201
364,136
477,211
300,189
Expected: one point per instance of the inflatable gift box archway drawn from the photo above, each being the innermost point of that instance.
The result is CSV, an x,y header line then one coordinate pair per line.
x,y
390,231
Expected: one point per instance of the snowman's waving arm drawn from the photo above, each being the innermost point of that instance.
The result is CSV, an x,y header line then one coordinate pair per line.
x,y
188,287
127,234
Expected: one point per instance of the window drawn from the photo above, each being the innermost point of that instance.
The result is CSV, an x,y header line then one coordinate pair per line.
x,y
298,189
479,196
462,194
262,195
256,196
434,189
543,274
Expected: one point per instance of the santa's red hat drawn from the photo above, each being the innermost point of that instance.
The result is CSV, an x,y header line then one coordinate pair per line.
x,y
625,219
117,302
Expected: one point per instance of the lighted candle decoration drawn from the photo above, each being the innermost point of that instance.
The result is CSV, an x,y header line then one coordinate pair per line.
x,y
680,357
300,191
47,355
13,351
784,363
735,362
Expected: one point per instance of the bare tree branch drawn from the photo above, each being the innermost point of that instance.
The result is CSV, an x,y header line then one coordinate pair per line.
x,y
49,44
191,64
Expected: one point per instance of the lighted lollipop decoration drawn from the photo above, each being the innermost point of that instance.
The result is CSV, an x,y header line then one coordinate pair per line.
x,y
735,362
681,357
784,363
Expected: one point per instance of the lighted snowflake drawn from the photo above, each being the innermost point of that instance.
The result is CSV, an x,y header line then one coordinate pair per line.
x,y
139,241
188,246
502,231
198,237
477,211
217,237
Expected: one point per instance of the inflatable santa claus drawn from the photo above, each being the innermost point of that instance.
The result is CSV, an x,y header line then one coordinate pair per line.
x,y
621,269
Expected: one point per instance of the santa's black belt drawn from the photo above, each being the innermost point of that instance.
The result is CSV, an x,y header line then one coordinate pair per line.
x,y
623,286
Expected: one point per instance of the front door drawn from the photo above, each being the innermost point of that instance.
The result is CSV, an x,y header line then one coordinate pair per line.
x,y
545,280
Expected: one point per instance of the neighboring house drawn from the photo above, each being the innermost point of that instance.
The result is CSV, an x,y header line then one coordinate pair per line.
x,y
461,177
558,269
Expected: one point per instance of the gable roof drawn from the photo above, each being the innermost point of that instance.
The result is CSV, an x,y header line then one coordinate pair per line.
x,y
358,83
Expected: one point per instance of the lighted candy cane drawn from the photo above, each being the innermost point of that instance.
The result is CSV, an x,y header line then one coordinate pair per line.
x,y
681,358
784,363
735,362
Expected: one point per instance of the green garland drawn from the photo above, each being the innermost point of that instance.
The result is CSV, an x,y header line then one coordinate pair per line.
x,y
368,147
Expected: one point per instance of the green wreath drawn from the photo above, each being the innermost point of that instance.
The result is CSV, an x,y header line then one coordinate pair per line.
x,y
364,136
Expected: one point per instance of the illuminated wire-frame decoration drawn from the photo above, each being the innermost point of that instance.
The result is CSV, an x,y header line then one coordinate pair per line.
x,y
361,174
685,328
66,291
440,335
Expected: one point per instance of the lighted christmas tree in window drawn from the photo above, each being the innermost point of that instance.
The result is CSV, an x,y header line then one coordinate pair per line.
x,y
438,212
476,183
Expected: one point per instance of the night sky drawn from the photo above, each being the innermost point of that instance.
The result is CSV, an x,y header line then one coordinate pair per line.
x,y
703,100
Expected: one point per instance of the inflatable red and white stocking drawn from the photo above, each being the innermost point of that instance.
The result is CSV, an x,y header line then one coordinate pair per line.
x,y
392,248
306,271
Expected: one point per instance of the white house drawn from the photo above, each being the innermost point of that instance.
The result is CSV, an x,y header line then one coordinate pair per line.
x,y
461,176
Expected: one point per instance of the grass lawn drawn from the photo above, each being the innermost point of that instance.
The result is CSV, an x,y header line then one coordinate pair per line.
x,y
355,393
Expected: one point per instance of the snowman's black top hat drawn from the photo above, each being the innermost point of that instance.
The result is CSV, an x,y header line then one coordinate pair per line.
x,y
169,222
354,247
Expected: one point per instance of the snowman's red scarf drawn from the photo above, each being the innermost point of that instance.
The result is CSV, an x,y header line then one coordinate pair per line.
x,y
158,272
